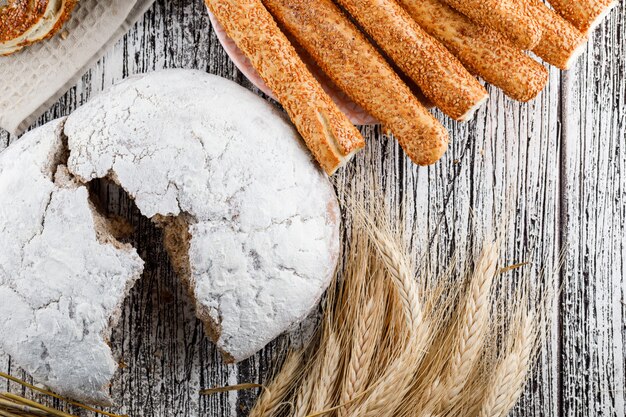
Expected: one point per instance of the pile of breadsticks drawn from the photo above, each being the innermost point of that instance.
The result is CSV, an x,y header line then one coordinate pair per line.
x,y
402,56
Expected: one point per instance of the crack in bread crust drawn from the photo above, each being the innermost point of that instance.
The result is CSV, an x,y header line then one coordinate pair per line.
x,y
177,242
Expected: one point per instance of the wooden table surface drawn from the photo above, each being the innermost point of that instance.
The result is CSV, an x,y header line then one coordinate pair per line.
x,y
552,171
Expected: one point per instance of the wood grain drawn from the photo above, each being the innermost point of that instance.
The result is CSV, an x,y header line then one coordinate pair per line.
x,y
594,201
550,173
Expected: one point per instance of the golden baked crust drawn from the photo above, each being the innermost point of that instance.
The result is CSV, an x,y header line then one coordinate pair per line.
x,y
24,22
327,132
482,50
511,18
66,13
357,68
18,16
561,43
583,14
438,73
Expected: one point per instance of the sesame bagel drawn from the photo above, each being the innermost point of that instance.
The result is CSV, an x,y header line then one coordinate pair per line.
x,y
24,22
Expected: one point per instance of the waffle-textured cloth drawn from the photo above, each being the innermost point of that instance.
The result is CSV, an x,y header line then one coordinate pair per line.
x,y
33,79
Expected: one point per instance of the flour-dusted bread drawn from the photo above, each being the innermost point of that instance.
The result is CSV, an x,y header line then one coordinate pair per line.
x,y
250,221
62,276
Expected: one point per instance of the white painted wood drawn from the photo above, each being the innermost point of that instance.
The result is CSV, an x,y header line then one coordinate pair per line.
x,y
594,197
550,173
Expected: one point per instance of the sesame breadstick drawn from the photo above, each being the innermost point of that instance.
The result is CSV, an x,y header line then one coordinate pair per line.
x,y
441,77
358,69
483,51
561,43
511,18
585,15
328,133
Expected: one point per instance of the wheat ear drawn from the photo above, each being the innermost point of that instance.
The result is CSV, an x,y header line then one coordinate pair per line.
x,y
393,387
427,389
401,274
325,380
396,381
278,390
472,325
303,398
363,347
507,382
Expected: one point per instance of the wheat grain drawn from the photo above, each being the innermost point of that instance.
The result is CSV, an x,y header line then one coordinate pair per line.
x,y
471,326
400,272
303,399
397,380
392,388
508,380
324,384
313,371
358,368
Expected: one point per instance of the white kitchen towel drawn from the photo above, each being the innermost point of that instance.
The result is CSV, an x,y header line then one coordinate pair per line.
x,y
32,80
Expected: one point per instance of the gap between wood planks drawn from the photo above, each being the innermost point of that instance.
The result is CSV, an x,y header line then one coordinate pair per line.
x,y
561,224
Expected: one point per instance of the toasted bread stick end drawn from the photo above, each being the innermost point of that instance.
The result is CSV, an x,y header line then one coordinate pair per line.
x,y
470,113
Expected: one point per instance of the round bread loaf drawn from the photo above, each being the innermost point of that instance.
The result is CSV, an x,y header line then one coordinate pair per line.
x,y
250,222
23,22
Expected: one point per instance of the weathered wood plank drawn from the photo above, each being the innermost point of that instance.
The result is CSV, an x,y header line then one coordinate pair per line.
x,y
503,168
594,195
502,171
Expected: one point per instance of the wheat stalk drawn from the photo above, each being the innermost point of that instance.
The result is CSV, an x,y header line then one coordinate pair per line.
x,y
372,329
278,390
358,368
396,381
34,405
508,380
392,387
303,399
401,273
471,326
324,383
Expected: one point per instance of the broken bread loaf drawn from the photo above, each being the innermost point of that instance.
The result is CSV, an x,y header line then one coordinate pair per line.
x,y
249,220
62,278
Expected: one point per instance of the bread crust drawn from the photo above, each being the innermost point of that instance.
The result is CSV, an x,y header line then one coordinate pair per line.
x,y
250,222
64,16
328,133
482,51
18,16
22,20
439,75
358,69
511,18
561,43
583,14
63,274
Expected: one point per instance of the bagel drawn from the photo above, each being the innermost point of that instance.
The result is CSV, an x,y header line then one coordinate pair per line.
x,y
24,22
